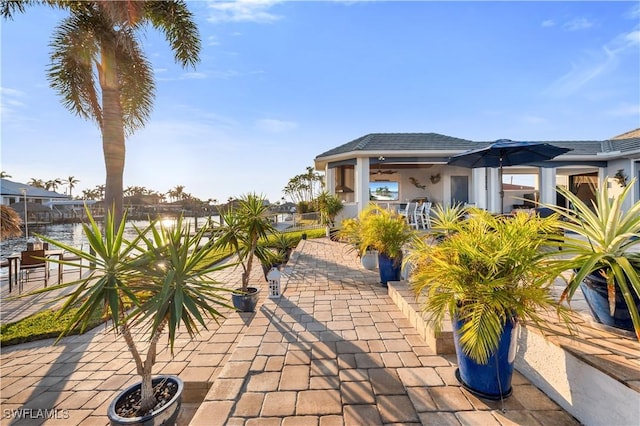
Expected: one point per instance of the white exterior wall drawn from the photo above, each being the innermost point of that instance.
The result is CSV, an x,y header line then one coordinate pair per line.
x,y
594,398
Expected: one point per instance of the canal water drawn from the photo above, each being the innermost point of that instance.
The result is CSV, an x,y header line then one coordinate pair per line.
x,y
73,235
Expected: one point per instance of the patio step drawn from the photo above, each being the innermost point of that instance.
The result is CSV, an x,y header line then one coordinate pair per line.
x,y
594,374
404,299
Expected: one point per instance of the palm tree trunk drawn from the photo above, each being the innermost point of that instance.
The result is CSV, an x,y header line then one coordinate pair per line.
x,y
113,140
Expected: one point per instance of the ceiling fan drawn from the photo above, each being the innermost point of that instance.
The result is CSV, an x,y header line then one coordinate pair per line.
x,y
380,171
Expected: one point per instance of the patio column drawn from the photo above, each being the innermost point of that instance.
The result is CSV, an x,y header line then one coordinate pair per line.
x,y
479,187
362,183
330,179
493,190
547,185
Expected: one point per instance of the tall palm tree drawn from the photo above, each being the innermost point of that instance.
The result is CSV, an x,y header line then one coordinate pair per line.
x,y
53,184
37,183
71,183
99,70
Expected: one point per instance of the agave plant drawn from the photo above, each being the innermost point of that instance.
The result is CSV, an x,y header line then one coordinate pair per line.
x,y
157,281
601,238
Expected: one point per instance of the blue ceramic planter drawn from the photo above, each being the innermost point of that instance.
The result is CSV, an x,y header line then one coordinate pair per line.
x,y
389,269
246,302
493,380
594,288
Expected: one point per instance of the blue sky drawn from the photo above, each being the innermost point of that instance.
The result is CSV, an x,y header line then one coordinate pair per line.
x,y
281,82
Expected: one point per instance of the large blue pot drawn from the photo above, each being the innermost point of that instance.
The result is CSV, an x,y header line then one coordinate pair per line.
x,y
594,288
493,380
389,268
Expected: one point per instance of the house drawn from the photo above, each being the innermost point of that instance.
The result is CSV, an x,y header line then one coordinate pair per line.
x,y
406,166
42,206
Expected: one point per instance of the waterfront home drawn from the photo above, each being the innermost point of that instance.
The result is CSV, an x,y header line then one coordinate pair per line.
x,y
407,166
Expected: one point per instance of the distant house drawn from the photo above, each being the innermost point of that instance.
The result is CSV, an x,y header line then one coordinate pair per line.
x,y
15,192
414,166
41,205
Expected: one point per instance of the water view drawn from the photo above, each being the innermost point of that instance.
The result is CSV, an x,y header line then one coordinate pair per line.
x,y
72,234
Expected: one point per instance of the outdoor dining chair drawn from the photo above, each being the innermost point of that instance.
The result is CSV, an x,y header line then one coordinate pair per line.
x,y
70,257
423,216
30,261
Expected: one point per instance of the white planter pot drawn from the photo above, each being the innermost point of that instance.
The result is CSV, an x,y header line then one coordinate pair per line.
x,y
370,260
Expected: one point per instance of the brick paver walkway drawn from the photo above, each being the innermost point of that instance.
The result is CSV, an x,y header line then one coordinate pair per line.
x,y
333,350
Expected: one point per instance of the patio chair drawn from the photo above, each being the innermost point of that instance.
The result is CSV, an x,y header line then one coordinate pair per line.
x,y
424,215
31,260
70,257
410,213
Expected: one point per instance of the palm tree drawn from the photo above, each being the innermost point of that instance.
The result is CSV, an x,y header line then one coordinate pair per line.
x,y
71,183
4,174
37,183
101,73
52,185
9,223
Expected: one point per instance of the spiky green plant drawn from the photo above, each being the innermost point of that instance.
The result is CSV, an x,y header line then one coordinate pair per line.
x,y
153,282
241,229
600,238
487,272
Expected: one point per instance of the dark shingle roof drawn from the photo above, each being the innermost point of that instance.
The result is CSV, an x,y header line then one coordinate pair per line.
x,y
378,142
401,142
625,145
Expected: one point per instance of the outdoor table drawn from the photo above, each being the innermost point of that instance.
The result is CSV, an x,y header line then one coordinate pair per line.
x,y
13,261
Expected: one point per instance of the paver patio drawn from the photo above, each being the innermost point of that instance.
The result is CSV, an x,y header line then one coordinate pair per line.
x,y
333,350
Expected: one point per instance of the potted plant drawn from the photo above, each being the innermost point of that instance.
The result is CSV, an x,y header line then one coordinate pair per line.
x,y
241,230
486,276
386,232
154,283
599,247
350,232
329,206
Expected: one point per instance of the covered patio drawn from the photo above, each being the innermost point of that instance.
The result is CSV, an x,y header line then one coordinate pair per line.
x,y
392,169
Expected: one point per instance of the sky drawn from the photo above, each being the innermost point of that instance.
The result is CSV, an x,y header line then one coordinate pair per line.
x,y
281,82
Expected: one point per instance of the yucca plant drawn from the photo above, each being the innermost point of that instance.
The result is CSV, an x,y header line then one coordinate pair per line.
x,y
156,282
600,239
488,271
242,228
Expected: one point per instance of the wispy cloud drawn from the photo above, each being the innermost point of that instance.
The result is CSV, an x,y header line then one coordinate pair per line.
x,y
548,23
596,63
624,110
242,11
577,24
275,126
11,103
634,12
